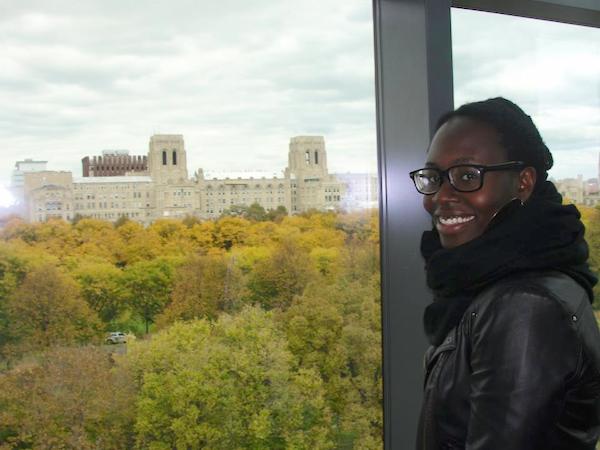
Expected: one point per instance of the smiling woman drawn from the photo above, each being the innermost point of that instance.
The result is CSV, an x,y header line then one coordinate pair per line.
x,y
507,263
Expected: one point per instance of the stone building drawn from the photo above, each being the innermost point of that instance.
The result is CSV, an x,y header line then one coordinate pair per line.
x,y
113,163
579,191
166,190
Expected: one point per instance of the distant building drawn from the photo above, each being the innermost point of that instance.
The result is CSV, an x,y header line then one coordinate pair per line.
x,y
579,191
165,190
362,190
21,167
113,163
17,181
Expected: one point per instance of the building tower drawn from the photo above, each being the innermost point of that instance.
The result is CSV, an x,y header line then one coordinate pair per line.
x,y
167,160
307,157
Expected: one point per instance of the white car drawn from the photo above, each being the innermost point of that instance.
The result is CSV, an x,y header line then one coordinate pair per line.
x,y
116,337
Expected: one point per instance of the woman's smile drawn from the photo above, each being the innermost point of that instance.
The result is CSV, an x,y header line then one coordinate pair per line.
x,y
460,217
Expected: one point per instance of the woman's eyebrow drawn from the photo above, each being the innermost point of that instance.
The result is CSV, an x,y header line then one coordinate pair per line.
x,y
462,160
455,162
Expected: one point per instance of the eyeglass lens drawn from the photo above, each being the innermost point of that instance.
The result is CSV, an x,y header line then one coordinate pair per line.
x,y
463,178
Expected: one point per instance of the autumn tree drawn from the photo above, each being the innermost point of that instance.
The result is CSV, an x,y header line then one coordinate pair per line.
x,y
102,288
335,329
230,231
230,384
276,280
204,286
277,214
591,219
147,286
47,309
69,398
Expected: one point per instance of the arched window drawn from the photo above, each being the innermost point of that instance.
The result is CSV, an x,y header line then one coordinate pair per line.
x,y
316,157
174,157
164,155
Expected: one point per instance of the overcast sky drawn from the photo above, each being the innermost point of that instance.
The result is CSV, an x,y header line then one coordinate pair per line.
x,y
239,78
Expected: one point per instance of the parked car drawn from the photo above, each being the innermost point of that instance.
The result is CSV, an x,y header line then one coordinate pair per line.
x,y
116,337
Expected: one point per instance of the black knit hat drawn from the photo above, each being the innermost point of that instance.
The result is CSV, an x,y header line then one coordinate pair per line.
x,y
518,134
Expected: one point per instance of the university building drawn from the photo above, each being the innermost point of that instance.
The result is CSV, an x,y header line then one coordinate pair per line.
x,y
113,163
164,188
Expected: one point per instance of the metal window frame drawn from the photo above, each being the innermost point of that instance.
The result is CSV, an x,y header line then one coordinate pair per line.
x,y
413,74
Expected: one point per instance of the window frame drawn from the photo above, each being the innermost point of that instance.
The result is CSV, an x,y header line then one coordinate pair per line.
x,y
413,84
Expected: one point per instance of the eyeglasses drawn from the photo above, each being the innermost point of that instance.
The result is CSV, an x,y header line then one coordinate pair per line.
x,y
463,177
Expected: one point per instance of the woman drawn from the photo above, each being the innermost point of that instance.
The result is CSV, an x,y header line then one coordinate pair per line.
x,y
514,362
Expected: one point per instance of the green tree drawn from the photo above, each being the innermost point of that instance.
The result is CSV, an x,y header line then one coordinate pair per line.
x,y
277,214
335,329
148,284
102,288
231,384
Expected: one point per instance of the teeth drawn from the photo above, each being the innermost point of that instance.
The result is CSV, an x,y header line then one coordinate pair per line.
x,y
454,220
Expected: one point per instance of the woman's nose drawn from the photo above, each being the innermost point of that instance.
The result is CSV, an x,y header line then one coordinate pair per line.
x,y
446,193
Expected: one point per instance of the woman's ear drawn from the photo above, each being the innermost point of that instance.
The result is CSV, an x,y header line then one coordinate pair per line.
x,y
527,179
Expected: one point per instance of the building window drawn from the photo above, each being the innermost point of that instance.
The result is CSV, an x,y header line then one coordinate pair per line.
x,y
164,158
174,157
316,157
307,157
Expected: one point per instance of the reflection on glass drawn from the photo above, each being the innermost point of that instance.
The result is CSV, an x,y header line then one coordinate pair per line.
x,y
192,259
552,70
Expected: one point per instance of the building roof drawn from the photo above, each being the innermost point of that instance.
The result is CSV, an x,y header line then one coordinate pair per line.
x,y
123,179
243,174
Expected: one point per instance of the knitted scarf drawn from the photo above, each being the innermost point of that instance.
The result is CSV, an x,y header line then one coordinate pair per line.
x,y
540,234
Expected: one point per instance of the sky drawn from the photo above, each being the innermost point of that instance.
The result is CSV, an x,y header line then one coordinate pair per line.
x,y
237,79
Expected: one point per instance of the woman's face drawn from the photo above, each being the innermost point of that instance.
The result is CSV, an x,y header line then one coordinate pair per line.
x,y
466,141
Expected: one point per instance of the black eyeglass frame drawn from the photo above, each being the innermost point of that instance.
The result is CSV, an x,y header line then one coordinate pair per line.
x,y
509,165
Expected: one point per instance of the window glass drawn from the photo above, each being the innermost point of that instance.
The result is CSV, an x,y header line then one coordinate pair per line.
x,y
217,313
552,71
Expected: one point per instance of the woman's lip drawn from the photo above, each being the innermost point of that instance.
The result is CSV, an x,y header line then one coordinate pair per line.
x,y
453,223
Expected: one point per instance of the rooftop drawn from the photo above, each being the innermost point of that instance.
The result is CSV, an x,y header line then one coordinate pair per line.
x,y
124,179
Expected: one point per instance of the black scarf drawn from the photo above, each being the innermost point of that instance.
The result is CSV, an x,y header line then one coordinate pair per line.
x,y
540,234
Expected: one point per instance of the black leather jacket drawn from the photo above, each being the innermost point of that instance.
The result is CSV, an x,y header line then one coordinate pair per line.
x,y
521,371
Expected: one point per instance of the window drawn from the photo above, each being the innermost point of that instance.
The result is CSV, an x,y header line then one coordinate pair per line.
x,y
238,99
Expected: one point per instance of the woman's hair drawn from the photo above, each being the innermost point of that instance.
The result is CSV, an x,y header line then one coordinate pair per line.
x,y
518,134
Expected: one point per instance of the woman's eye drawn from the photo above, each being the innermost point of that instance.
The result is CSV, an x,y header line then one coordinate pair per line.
x,y
469,176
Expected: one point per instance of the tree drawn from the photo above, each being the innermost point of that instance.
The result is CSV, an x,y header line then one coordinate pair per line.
x,y
256,213
276,280
70,398
591,219
277,214
230,231
148,284
102,288
47,309
122,220
335,329
204,287
230,384
135,244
